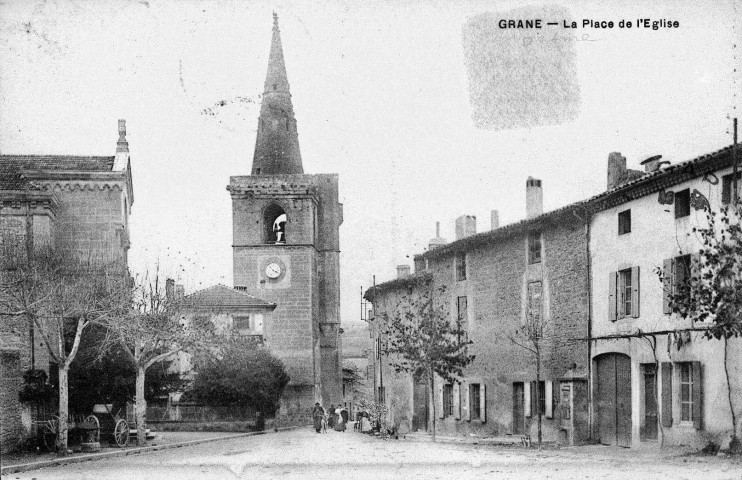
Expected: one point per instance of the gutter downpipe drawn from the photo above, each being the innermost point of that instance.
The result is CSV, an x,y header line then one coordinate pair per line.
x,y
589,321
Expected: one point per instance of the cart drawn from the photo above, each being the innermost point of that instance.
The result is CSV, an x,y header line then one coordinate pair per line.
x,y
111,423
84,428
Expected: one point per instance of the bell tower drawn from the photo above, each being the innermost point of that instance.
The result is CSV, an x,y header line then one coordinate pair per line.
x,y
286,247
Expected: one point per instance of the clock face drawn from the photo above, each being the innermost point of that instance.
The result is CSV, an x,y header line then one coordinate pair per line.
x,y
273,270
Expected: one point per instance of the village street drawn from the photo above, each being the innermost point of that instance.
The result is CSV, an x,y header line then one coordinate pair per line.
x,y
303,454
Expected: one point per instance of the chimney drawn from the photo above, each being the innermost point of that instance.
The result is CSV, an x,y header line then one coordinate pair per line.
x,y
122,148
437,241
494,220
616,169
403,271
122,145
534,198
179,292
170,290
466,226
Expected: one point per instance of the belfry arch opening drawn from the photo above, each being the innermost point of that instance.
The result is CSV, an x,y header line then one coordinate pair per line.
x,y
275,221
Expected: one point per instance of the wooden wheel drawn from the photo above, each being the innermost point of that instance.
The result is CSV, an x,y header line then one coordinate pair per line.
x,y
121,433
93,435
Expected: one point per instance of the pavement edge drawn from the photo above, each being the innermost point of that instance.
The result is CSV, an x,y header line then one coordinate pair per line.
x,y
133,451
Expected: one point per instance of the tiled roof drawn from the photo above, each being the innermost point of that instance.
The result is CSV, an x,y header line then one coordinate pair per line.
x,y
12,166
638,187
223,296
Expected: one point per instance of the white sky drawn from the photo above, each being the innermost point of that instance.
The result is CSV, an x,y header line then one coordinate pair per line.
x,y
381,97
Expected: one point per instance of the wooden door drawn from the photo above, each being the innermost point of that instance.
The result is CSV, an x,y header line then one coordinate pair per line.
x,y
420,404
623,401
613,399
518,413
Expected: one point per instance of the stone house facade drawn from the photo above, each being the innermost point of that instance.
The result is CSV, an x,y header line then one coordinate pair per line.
x,y
76,205
653,385
226,309
493,282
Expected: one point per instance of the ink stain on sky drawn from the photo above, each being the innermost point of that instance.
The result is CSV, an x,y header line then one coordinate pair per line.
x,y
521,78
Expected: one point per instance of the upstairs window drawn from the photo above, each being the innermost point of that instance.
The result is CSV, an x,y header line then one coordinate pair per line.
x,y
726,187
623,294
534,247
624,222
676,280
274,221
463,318
242,323
624,290
461,266
682,203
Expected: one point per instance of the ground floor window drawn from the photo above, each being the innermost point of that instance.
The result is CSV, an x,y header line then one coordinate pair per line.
x,y
448,400
686,392
476,404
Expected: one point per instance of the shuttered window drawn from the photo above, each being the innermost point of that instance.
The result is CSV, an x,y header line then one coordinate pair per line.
x,y
690,393
623,294
447,400
667,394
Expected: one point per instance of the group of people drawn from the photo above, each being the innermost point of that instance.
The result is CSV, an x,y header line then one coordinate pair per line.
x,y
337,418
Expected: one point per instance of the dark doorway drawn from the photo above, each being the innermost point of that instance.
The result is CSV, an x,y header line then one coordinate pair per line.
x,y
613,399
420,403
519,418
649,425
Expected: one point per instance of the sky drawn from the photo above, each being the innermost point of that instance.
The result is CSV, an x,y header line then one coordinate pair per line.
x,y
427,110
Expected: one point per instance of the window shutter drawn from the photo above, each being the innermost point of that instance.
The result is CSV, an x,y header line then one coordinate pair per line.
x,y
456,401
666,394
612,297
466,407
667,283
548,399
482,403
527,399
697,395
695,270
534,400
635,292
259,323
439,398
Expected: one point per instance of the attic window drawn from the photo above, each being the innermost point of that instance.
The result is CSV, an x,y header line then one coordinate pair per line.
x,y
682,203
624,222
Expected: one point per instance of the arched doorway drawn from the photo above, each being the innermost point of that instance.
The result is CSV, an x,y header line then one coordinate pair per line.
x,y
613,399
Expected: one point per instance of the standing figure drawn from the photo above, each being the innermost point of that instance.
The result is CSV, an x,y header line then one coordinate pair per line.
x,y
331,419
318,414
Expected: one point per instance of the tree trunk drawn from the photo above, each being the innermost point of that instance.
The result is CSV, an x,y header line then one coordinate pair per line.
x,y
431,400
62,428
140,408
538,393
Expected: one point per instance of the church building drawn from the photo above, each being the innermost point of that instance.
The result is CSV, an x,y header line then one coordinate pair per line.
x,y
286,248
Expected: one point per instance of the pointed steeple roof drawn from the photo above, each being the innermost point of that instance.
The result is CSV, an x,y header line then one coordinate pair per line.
x,y
277,143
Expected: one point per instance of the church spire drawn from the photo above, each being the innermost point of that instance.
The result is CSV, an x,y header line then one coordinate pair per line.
x,y
277,143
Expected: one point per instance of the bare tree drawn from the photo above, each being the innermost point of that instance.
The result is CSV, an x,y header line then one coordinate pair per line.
x,y
530,336
423,341
709,290
152,331
61,297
